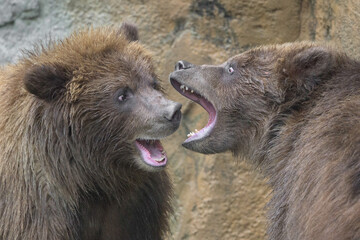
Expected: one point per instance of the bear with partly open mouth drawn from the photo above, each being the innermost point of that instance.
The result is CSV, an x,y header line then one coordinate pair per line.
x,y
293,110
80,152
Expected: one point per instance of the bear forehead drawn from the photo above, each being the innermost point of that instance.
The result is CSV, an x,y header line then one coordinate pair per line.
x,y
270,55
94,51
94,56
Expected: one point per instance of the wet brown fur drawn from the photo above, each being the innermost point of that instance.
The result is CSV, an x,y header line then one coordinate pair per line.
x,y
66,167
293,110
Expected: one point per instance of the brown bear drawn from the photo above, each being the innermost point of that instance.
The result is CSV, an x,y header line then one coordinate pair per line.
x,y
293,110
80,155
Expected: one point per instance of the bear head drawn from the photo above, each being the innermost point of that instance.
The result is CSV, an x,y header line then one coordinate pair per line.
x,y
97,93
246,93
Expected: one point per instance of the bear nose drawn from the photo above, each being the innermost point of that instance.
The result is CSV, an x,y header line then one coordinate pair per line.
x,y
183,65
173,114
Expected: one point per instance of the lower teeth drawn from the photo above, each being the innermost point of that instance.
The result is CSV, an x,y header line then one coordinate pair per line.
x,y
159,160
192,133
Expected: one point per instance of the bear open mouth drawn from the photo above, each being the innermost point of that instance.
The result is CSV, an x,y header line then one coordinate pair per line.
x,y
206,104
152,152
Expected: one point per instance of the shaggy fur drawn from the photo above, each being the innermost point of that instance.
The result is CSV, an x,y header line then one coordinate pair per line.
x,y
67,158
294,111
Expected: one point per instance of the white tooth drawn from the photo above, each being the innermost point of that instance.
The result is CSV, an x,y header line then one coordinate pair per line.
x,y
159,160
196,130
192,91
186,88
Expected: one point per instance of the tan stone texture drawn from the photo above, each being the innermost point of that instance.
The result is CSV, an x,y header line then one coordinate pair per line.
x,y
217,196
332,21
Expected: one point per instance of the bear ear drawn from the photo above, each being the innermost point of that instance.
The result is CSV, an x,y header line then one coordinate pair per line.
x,y
313,62
309,67
46,81
129,31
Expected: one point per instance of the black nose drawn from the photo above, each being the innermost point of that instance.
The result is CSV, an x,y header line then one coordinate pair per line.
x,y
174,113
183,65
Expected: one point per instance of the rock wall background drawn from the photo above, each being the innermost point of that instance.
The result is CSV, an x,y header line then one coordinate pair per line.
x,y
217,197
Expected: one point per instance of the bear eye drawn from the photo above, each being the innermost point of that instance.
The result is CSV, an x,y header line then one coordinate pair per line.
x,y
230,70
154,85
123,95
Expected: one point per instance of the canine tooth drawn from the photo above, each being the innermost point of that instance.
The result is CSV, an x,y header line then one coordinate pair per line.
x,y
186,88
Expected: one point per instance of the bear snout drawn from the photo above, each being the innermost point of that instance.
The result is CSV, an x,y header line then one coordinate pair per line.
x,y
173,113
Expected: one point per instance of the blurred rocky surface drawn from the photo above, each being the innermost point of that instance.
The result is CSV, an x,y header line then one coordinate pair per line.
x,y
217,196
12,10
332,21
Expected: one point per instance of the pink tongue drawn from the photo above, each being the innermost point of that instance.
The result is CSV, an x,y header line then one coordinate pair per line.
x,y
155,153
154,149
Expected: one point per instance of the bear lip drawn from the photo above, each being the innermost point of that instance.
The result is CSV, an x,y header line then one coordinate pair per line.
x,y
152,152
193,95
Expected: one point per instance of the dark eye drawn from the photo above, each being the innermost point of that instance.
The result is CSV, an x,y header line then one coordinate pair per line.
x,y
122,97
123,94
230,70
154,85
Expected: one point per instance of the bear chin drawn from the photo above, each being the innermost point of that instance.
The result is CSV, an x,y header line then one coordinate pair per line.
x,y
207,145
141,164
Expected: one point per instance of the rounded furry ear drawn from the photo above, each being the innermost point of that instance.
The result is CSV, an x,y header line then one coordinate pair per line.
x,y
313,62
45,81
309,67
129,31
